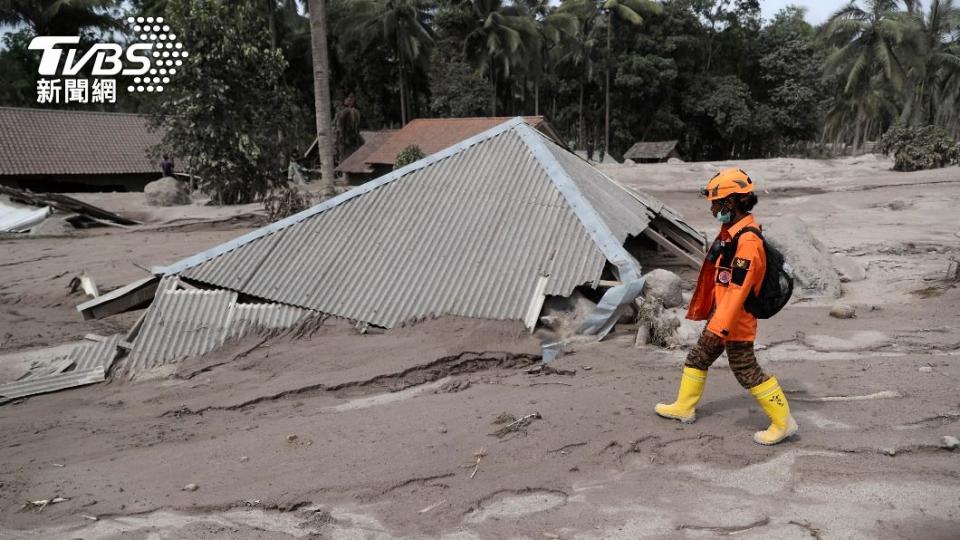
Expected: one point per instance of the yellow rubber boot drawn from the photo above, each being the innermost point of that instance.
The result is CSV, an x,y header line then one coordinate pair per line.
x,y
782,425
691,388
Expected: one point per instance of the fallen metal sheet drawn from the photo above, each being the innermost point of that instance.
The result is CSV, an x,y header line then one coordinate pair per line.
x,y
180,323
247,317
184,323
87,363
50,383
20,219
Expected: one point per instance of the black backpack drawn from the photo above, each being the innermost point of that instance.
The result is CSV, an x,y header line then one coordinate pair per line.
x,y
777,285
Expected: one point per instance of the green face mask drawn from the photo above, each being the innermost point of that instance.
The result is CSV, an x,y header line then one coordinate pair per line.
x,y
724,217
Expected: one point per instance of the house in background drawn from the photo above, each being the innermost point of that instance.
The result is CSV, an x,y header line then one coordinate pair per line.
x,y
652,152
355,168
48,150
380,148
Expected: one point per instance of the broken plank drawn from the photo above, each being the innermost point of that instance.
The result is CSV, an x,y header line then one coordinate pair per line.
x,y
126,298
673,248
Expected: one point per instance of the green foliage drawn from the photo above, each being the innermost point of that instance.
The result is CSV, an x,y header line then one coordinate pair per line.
x,y
408,155
18,86
230,112
457,90
916,148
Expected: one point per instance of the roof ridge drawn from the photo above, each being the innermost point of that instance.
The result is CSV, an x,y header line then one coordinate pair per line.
x,y
589,217
289,221
72,111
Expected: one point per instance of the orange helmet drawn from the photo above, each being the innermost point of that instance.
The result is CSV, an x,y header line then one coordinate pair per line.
x,y
726,183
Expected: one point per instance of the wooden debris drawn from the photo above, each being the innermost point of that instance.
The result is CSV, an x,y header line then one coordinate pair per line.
x,y
886,394
727,531
479,455
517,425
43,503
432,506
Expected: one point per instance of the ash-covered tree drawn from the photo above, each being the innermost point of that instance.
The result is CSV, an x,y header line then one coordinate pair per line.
x,y
228,111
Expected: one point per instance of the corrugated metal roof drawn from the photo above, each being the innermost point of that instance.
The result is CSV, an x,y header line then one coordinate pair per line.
x,y
180,323
98,353
246,317
184,323
467,231
89,363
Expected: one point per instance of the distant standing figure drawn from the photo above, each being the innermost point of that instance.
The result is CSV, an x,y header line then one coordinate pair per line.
x,y
166,165
346,130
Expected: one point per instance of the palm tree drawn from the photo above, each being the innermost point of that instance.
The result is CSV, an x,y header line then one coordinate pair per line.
x,y
933,59
404,26
321,87
630,11
866,42
579,52
500,43
553,27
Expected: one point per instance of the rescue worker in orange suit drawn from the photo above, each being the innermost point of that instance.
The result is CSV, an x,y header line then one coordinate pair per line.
x,y
721,290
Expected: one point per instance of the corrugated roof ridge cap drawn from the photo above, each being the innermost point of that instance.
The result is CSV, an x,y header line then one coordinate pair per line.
x,y
206,255
69,111
588,216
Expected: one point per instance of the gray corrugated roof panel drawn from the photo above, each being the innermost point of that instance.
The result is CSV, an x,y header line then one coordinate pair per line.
x,y
89,363
98,353
180,323
466,231
50,383
625,215
246,317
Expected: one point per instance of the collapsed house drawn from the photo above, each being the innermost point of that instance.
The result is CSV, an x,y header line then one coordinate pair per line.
x,y
487,228
25,211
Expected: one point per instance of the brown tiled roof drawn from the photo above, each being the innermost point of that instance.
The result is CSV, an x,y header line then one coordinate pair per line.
x,y
357,161
46,141
650,150
435,134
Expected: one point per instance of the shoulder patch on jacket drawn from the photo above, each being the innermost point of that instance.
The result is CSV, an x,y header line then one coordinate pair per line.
x,y
741,263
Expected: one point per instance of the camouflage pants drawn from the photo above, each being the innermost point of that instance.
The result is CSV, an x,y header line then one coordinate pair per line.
x,y
740,354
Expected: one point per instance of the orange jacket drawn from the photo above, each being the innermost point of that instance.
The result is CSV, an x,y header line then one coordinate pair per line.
x,y
721,290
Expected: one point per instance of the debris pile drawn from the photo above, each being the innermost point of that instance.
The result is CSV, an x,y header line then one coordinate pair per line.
x,y
22,211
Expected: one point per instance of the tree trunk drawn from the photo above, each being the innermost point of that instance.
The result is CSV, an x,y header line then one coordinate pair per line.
x,y
493,94
272,18
321,90
606,113
403,98
580,137
858,130
536,97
